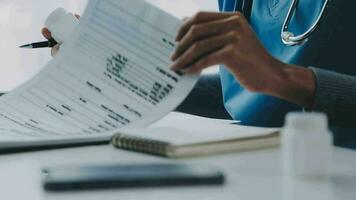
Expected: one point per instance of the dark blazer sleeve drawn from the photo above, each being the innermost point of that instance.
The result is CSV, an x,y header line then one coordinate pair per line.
x,y
336,96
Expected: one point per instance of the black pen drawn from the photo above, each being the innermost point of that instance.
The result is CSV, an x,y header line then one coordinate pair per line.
x,y
45,44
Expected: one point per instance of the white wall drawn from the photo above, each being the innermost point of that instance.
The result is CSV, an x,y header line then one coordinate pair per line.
x,y
186,8
22,20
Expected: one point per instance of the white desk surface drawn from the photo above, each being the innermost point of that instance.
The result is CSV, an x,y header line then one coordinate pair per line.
x,y
249,175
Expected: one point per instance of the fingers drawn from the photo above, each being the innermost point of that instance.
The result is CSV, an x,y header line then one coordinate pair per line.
x,y
214,35
199,18
214,58
200,49
46,33
55,50
203,30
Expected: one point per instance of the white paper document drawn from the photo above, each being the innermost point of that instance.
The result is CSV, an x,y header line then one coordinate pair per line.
x,y
113,73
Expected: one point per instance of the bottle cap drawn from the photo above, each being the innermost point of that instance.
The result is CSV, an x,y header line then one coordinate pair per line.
x,y
311,121
55,16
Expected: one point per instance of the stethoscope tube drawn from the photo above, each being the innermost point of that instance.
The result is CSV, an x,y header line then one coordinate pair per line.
x,y
244,6
288,38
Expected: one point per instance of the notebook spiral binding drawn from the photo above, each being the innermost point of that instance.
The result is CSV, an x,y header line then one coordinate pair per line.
x,y
140,144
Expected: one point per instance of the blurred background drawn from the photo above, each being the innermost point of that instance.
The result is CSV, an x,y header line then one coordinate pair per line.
x,y
22,20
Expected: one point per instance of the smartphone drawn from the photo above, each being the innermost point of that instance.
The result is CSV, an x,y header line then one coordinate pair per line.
x,y
129,176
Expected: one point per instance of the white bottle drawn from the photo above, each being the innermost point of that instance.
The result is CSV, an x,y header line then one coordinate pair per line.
x,y
307,145
61,24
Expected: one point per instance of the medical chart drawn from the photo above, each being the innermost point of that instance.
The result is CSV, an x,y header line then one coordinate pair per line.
x,y
113,73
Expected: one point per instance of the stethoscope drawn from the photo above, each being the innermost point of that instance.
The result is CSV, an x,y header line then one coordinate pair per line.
x,y
288,38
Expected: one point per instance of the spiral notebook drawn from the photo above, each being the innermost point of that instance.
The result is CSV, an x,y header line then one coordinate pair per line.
x,y
192,136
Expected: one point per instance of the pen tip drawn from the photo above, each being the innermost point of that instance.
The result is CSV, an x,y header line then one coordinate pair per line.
x,y
26,46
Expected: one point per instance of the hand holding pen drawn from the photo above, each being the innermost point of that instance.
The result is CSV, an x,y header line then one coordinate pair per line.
x,y
47,34
50,43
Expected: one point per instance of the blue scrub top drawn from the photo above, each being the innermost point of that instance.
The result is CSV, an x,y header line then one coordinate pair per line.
x,y
328,48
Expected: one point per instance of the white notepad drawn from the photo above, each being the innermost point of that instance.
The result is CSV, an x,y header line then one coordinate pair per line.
x,y
183,135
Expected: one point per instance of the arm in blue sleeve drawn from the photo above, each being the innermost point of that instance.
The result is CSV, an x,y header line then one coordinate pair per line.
x,y
336,96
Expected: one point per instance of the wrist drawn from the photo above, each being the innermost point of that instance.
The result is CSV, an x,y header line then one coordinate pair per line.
x,y
295,84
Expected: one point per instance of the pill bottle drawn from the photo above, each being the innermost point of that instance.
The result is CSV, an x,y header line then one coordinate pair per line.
x,y
307,145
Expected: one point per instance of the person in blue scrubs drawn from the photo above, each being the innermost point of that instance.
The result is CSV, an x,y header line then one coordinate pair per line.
x,y
227,38
257,45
